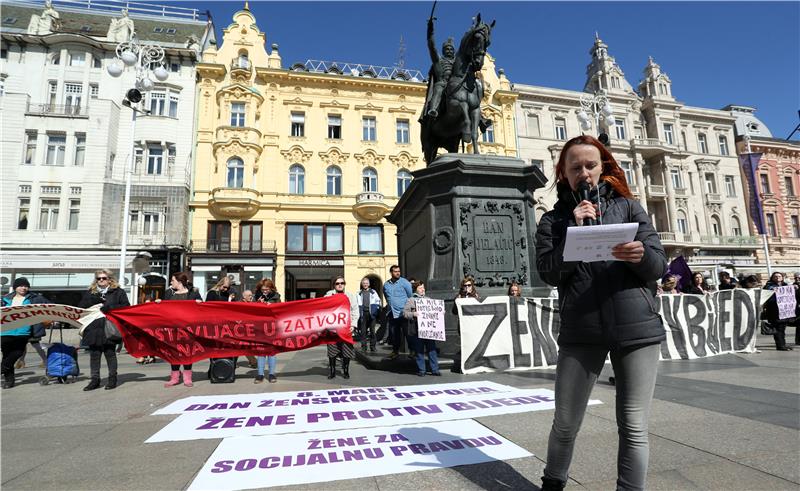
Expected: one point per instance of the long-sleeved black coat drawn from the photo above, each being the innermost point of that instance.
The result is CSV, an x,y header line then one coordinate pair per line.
x,y
607,302
95,334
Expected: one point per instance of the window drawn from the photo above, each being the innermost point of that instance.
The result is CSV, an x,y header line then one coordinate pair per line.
x,y
24,211
614,82
730,186
668,136
314,238
619,127
772,228
789,185
334,181
97,62
715,227
764,183
171,152
80,149
683,224
638,132
3,53
335,126
48,214
369,129
370,239
150,223
736,227
138,158
540,164
561,129
297,179
403,181
237,114
56,147
723,145
298,124
30,146
50,189
533,125
677,181
25,189
56,59
795,226
244,62
158,101
683,140
235,173
219,236
250,237
74,214
173,105
155,159
488,135
369,178
53,93
77,59
75,190
94,91
402,131
711,183
174,67
72,97
702,144
627,168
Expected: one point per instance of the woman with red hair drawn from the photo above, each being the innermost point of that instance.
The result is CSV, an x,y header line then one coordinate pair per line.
x,y
605,307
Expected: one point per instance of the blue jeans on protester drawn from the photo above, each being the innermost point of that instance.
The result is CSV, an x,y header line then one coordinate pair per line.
x,y
268,360
419,346
635,371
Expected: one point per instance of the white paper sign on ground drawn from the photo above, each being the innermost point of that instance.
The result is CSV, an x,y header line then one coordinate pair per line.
x,y
218,404
298,419
264,461
430,318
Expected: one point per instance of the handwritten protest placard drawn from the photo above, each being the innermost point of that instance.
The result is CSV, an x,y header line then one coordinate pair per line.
x,y
430,318
785,295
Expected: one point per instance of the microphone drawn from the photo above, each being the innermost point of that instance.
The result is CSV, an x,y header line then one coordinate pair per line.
x,y
584,190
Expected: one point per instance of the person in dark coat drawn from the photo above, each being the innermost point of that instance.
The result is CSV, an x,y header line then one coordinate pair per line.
x,y
223,291
15,340
699,285
106,291
180,288
605,307
773,313
266,293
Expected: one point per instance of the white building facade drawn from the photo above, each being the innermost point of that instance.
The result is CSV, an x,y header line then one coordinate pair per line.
x,y
66,141
680,161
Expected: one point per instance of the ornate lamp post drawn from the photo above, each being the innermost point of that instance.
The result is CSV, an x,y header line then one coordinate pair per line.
x,y
596,107
147,61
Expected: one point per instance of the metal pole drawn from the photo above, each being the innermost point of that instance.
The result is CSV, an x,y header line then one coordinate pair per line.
x,y
127,206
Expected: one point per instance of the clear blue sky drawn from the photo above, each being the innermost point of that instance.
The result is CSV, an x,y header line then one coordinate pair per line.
x,y
716,53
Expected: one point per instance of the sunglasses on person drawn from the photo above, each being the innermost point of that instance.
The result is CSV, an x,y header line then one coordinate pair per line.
x,y
468,285
339,283
102,278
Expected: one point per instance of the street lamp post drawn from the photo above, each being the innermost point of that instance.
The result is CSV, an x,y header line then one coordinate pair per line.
x,y
147,60
597,107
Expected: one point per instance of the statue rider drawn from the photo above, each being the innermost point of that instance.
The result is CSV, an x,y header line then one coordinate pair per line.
x,y
440,71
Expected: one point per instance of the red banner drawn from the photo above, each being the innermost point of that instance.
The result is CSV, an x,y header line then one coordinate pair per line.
x,y
183,332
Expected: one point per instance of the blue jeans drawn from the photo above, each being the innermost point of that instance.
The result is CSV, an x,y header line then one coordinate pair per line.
x,y
577,370
420,345
262,360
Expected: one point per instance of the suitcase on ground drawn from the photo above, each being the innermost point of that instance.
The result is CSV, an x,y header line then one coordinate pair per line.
x,y
62,360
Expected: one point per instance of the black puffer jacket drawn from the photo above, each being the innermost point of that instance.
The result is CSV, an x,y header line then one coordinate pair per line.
x,y
95,335
606,302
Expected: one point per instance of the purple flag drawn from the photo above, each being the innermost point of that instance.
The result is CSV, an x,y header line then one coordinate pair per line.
x,y
749,163
680,270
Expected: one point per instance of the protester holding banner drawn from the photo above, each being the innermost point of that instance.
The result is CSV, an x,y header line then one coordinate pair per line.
x,y
106,291
369,304
223,291
397,290
725,281
514,290
266,293
669,285
699,285
14,341
180,288
605,306
346,350
777,322
420,345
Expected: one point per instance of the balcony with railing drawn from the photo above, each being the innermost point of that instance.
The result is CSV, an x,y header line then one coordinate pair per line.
x,y
744,241
681,192
656,191
241,68
67,110
234,203
649,147
371,206
713,198
244,134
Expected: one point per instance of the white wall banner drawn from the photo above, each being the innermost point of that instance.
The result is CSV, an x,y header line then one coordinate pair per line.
x,y
337,416
264,461
506,333
217,404
430,318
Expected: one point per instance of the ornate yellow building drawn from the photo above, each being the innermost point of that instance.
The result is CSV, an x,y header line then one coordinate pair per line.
x,y
295,168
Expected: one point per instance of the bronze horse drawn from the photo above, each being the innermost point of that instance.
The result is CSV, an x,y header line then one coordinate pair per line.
x,y
460,112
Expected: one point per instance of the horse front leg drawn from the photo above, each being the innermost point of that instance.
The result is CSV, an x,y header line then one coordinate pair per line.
x,y
466,126
475,120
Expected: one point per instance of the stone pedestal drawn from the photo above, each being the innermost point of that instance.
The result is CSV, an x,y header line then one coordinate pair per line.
x,y
470,214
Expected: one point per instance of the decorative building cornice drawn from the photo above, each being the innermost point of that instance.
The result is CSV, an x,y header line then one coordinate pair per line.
x,y
334,156
402,109
334,104
297,101
403,159
368,107
369,158
296,154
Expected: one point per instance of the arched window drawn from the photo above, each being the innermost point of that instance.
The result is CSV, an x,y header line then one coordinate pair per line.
x,y
297,179
683,223
403,181
334,180
235,173
370,179
736,226
716,228
243,60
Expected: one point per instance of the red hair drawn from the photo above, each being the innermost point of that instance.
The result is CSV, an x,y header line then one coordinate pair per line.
x,y
612,173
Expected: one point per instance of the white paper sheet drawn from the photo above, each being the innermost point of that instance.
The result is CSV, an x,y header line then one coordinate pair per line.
x,y
594,243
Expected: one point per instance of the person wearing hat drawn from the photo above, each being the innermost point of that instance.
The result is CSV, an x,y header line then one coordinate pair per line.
x,y
15,340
